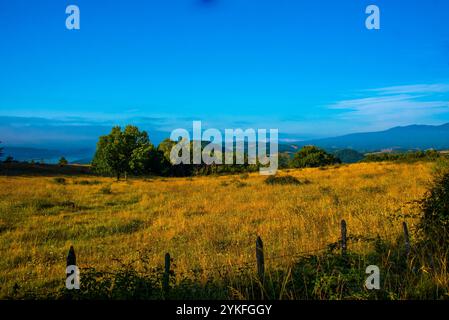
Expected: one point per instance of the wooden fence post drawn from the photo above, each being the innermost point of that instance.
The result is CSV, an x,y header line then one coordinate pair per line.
x,y
406,238
343,237
71,261
166,280
260,259
71,257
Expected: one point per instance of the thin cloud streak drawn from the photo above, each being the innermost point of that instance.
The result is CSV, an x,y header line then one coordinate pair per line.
x,y
397,105
413,89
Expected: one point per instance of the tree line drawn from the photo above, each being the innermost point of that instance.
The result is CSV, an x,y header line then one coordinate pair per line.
x,y
130,152
428,155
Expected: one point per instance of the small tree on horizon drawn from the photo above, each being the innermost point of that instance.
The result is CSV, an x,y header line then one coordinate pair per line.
x,y
63,161
9,159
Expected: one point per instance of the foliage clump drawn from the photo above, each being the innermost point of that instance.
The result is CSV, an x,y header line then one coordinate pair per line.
x,y
428,155
434,224
283,180
59,180
126,152
63,162
312,157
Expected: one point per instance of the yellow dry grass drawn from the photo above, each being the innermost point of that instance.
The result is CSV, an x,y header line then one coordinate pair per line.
x,y
204,222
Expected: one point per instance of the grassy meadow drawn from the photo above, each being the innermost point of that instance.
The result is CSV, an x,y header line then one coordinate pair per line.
x,y
209,226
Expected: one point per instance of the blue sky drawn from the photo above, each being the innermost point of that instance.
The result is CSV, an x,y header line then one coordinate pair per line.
x,y
309,68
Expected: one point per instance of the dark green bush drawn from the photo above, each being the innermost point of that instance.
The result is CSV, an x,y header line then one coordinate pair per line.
x,y
59,180
87,182
284,180
434,224
106,189
429,155
312,157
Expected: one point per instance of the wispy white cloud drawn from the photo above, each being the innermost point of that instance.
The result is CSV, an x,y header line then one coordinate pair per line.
x,y
414,89
372,110
398,105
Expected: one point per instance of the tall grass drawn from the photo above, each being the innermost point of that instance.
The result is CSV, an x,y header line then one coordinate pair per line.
x,y
209,226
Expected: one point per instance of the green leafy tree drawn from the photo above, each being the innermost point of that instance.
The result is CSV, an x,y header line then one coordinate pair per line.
x,y
311,156
348,155
121,152
146,159
9,159
63,161
284,160
164,149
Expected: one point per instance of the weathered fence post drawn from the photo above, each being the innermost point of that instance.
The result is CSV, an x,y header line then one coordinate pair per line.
x,y
260,259
72,271
166,280
71,257
406,238
343,237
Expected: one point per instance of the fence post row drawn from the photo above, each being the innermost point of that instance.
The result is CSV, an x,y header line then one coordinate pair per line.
x,y
71,257
260,259
71,261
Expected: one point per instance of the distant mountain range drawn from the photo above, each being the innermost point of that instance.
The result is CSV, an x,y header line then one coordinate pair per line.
x,y
77,155
413,137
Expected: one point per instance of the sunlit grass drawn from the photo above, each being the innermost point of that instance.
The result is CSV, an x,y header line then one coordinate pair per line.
x,y
204,222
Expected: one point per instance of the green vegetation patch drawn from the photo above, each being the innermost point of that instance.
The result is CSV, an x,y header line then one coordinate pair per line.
x,y
87,182
283,180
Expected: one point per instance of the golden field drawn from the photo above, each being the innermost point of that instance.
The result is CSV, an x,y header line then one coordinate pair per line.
x,y
205,223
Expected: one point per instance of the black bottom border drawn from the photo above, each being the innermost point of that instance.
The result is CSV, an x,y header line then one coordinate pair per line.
x,y
219,309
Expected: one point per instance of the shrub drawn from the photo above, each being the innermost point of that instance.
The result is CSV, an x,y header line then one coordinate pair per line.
x,y
106,190
63,162
87,182
311,157
59,180
282,180
441,166
42,204
124,283
9,159
244,176
236,182
240,184
434,223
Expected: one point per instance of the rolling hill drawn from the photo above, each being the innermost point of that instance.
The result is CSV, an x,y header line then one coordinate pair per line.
x,y
411,137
